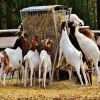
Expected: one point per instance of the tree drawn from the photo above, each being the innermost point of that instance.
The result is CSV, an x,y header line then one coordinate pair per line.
x,y
98,13
86,9
3,22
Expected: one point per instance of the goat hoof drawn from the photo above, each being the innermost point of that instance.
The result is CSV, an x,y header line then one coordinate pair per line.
x,y
4,85
82,85
87,84
44,88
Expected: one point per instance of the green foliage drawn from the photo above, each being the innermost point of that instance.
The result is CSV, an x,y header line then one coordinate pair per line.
x,y
15,19
10,14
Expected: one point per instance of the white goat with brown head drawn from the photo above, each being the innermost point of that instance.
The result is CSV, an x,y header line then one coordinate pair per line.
x,y
45,61
31,61
11,61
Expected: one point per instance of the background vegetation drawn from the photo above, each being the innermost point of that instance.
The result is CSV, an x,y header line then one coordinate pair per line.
x,y
86,9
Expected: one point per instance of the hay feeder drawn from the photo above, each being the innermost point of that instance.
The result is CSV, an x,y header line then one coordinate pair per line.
x,y
44,22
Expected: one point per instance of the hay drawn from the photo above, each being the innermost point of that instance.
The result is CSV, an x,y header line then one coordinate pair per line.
x,y
64,90
41,25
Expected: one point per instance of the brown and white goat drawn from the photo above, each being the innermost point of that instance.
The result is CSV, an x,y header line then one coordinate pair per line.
x,y
45,61
31,61
12,61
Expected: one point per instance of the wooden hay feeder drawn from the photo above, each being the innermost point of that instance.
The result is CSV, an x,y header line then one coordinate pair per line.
x,y
44,22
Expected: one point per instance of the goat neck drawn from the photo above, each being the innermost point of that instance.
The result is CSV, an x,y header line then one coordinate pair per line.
x,y
64,32
65,37
76,29
48,49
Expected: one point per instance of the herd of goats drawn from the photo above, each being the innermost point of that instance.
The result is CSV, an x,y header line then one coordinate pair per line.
x,y
12,60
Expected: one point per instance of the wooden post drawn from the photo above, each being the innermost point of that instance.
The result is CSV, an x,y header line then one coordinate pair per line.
x,y
56,51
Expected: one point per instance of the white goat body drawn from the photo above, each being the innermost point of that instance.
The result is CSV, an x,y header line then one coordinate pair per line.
x,y
15,59
72,55
89,48
87,45
45,63
31,61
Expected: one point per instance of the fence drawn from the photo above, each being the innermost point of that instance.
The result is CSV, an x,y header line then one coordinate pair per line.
x,y
10,40
7,38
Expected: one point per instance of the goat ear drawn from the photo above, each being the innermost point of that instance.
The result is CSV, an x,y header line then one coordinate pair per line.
x,y
1,55
4,53
46,41
52,41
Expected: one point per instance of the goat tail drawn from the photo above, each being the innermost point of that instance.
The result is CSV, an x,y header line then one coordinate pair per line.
x,y
25,57
40,65
26,61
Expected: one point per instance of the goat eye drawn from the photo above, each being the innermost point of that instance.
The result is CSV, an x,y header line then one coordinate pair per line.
x,y
80,24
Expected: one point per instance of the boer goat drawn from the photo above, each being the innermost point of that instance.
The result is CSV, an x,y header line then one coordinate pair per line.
x,y
87,32
89,48
86,43
2,61
72,55
12,61
45,61
31,61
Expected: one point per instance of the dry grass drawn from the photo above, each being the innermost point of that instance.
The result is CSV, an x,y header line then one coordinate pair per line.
x,y
64,90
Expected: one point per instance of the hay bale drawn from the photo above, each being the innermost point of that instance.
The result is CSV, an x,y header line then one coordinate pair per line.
x,y
44,24
40,25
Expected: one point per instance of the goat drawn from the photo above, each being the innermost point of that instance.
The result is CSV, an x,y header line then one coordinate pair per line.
x,y
86,44
12,61
22,42
31,61
72,55
89,48
87,32
45,61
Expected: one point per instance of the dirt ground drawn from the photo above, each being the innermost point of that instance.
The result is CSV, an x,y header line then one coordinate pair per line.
x,y
63,90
